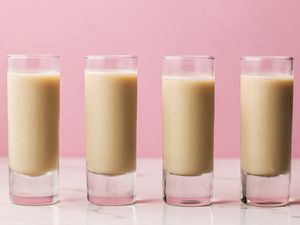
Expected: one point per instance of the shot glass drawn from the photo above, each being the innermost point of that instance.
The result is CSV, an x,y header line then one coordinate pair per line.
x,y
110,110
266,129
188,129
33,97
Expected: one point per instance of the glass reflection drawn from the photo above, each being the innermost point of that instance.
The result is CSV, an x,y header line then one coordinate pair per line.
x,y
187,215
45,215
125,215
255,215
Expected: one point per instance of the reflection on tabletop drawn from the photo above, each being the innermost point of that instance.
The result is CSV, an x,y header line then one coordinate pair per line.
x,y
42,215
274,216
74,209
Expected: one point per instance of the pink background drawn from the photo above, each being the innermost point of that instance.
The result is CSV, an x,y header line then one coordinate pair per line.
x,y
150,29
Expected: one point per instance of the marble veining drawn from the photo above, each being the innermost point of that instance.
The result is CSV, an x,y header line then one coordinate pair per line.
x,y
74,209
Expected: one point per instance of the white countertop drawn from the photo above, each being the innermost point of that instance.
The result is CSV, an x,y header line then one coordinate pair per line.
x,y
74,209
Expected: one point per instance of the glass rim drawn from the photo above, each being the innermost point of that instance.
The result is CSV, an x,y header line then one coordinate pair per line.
x,y
257,58
32,56
177,57
110,57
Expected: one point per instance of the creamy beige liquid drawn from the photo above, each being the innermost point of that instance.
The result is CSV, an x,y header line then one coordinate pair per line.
x,y
33,122
111,105
188,120
266,124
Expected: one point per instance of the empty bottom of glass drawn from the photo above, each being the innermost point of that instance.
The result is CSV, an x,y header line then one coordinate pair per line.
x,y
33,190
188,190
265,191
111,190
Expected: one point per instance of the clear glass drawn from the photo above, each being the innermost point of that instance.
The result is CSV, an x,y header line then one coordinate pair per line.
x,y
33,92
110,110
266,129
188,129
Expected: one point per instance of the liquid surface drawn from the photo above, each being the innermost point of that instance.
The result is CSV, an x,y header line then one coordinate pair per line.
x,y
111,105
33,122
188,120
266,124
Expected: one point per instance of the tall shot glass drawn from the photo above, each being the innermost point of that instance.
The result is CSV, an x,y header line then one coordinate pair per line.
x,y
111,110
266,129
188,129
33,88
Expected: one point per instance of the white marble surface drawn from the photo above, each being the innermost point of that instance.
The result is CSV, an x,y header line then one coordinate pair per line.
x,y
73,208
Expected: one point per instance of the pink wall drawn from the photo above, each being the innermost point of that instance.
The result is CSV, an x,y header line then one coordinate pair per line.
x,y
150,29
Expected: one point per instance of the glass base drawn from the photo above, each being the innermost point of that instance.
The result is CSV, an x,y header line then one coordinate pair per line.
x,y
111,190
188,190
33,190
265,191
